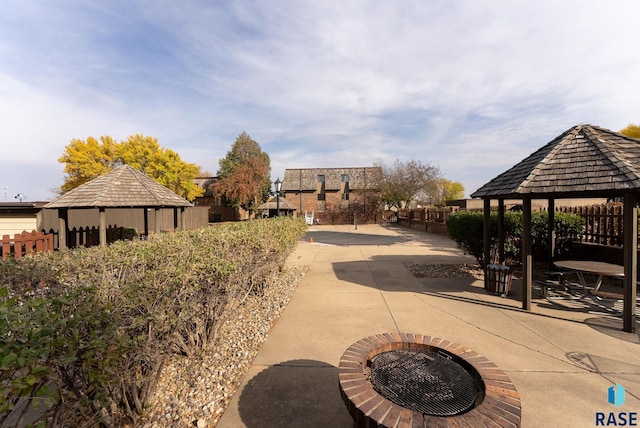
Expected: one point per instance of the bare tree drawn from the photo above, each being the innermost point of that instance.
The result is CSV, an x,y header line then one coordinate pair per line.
x,y
403,182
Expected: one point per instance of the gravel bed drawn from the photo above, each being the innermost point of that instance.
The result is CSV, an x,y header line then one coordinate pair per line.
x,y
194,392
445,270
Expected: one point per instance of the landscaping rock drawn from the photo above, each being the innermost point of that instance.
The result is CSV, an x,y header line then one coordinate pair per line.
x,y
196,391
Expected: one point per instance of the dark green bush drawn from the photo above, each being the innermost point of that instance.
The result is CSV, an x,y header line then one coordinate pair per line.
x,y
92,328
466,228
569,231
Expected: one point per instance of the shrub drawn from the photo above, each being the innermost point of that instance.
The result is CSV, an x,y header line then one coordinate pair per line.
x,y
91,328
467,229
569,231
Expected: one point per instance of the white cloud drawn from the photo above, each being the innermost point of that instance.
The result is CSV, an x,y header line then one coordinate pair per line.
x,y
472,87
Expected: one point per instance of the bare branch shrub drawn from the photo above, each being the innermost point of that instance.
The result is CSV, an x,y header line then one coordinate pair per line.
x,y
90,329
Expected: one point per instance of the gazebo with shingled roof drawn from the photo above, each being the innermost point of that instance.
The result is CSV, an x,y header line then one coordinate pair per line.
x,y
271,207
583,162
122,187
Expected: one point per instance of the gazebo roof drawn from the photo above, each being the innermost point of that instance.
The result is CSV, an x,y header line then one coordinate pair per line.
x,y
272,204
123,186
583,161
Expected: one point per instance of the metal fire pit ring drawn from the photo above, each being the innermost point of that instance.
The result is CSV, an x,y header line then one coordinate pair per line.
x,y
498,404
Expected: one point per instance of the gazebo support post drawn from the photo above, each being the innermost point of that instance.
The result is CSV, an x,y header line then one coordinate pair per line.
x,y
487,237
630,261
146,221
551,245
63,220
175,219
183,219
527,277
158,219
500,230
103,227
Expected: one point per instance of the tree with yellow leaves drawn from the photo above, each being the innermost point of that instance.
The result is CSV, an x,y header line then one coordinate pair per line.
x,y
632,131
443,190
88,159
163,165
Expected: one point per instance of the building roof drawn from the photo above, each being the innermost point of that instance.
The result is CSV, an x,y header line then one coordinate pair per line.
x,y
306,179
123,186
272,204
11,208
206,183
583,161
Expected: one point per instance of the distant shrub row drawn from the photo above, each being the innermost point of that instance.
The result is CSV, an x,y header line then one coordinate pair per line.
x,y
88,331
467,229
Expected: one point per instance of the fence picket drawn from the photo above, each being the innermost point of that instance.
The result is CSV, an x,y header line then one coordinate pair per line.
x,y
6,246
25,243
603,223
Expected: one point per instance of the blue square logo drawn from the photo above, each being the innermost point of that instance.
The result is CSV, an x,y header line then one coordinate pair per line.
x,y
616,395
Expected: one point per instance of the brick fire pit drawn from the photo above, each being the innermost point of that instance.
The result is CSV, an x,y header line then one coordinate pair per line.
x,y
497,403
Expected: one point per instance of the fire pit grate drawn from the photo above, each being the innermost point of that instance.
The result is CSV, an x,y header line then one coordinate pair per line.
x,y
496,404
428,382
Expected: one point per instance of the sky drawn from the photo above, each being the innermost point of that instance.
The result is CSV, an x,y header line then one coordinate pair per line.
x,y
471,87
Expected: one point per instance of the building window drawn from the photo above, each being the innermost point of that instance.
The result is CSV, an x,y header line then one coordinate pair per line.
x,y
321,196
344,178
345,196
320,178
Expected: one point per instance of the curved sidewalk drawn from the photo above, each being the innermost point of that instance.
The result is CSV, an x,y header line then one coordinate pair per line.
x,y
562,359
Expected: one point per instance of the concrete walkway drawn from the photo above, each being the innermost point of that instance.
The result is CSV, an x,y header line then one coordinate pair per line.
x,y
561,358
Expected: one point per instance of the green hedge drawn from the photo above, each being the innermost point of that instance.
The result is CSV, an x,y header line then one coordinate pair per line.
x,y
466,228
93,327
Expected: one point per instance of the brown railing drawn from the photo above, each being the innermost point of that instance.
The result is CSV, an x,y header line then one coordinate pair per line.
x,y
603,223
25,243
440,215
90,236
414,214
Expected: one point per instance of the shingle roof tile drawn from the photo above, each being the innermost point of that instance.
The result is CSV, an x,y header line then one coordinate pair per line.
x,y
583,159
123,186
272,204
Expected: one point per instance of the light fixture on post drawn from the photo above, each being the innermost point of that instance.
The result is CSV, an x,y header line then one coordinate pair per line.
x,y
355,214
278,185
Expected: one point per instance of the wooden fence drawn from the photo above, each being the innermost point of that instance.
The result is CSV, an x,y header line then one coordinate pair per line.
x,y
25,243
346,217
431,219
90,236
603,223
432,214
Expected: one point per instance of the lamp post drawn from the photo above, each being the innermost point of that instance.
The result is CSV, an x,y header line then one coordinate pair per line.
x,y
355,214
278,185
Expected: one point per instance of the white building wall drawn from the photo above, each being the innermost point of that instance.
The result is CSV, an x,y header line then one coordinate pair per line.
x,y
12,225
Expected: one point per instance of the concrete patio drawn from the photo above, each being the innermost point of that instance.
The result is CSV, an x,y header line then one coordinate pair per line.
x,y
562,357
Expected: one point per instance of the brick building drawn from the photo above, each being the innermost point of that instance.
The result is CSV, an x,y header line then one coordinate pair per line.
x,y
218,211
334,190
